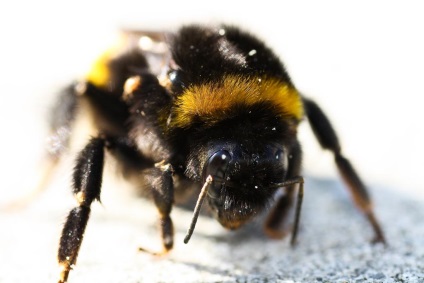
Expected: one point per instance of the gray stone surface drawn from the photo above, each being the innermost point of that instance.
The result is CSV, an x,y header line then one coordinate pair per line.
x,y
333,242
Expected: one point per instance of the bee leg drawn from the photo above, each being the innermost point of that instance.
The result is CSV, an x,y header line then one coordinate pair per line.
x,y
158,176
278,216
327,137
275,224
162,189
87,179
61,119
280,211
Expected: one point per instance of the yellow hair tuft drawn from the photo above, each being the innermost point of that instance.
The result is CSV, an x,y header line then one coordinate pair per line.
x,y
99,74
215,101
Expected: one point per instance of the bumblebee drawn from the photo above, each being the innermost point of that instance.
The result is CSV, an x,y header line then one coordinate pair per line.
x,y
209,111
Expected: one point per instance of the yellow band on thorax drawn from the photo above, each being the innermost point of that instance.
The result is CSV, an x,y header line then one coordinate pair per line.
x,y
215,101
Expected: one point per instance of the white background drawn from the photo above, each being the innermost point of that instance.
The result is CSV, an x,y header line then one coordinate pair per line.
x,y
361,60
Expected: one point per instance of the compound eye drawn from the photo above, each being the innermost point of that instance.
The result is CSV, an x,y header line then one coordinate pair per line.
x,y
217,165
279,155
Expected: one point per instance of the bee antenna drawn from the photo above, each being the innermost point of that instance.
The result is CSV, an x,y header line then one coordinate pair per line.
x,y
196,212
296,180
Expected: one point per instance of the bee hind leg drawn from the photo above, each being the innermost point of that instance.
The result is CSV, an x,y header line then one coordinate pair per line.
x,y
62,116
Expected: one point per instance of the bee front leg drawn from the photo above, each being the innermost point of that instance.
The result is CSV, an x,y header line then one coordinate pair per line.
x,y
162,189
327,137
278,215
275,224
87,179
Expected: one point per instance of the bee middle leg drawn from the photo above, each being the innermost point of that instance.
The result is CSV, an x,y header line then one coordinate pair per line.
x,y
327,137
87,179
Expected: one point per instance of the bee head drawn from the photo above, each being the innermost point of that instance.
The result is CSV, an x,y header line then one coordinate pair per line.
x,y
242,180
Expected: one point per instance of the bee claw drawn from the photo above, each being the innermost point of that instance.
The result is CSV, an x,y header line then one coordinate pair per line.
x,y
162,253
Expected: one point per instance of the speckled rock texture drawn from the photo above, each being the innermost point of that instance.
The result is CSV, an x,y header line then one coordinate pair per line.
x,y
333,244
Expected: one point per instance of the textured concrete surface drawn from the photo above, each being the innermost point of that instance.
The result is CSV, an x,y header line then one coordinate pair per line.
x,y
333,242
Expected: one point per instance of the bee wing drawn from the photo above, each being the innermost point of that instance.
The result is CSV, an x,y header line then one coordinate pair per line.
x,y
154,45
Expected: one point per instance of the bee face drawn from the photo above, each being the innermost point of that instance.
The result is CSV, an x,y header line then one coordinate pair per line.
x,y
242,180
